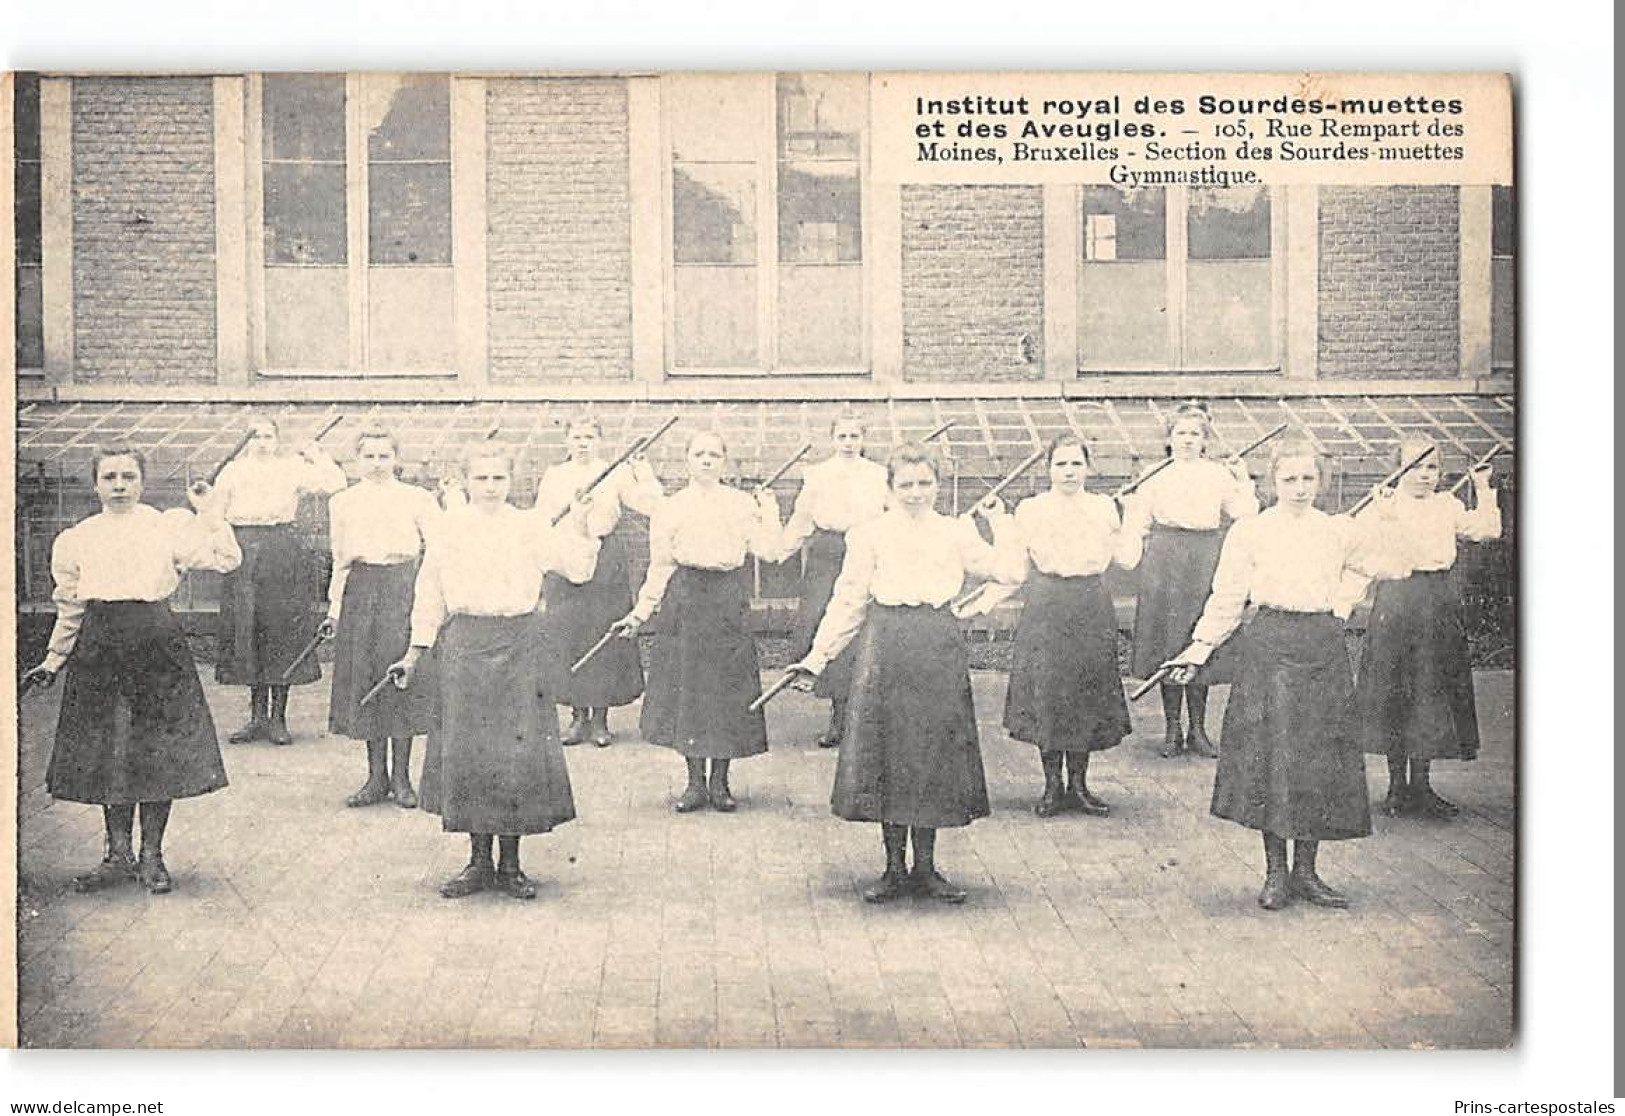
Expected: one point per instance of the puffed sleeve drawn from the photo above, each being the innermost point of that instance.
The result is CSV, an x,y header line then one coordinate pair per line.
x,y
339,537
428,600
564,551
202,542
554,494
1358,562
848,604
1480,524
1240,497
765,531
800,526
1127,543
662,561
639,488
320,475
70,610
1232,582
1380,544
1004,561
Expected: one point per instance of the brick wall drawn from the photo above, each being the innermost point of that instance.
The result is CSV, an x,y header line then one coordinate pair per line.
x,y
559,265
973,283
143,229
1390,286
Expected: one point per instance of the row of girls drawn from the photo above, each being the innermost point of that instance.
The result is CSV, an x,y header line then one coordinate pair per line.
x,y
880,639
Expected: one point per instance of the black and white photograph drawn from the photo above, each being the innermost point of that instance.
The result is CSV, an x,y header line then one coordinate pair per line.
x,y
747,559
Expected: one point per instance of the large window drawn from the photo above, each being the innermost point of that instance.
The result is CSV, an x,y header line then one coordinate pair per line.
x,y
1176,279
356,210
30,352
766,221
1503,277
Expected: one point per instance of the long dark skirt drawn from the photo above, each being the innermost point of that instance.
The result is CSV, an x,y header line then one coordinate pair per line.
x,y
265,611
375,621
910,754
1176,576
494,764
1065,692
575,618
1415,693
1290,764
133,726
826,550
703,672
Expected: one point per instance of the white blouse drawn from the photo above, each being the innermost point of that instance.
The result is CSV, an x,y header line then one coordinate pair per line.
x,y
836,495
381,523
1194,495
630,486
1307,563
491,564
1065,536
263,491
1419,533
130,556
713,528
900,559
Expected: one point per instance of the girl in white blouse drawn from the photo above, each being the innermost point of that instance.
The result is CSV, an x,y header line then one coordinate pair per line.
x,y
837,494
703,672
1415,691
266,604
1180,514
577,615
133,728
910,758
493,765
1065,693
1291,766
378,528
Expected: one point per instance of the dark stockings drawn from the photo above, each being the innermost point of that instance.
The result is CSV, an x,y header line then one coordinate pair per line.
x,y
1173,736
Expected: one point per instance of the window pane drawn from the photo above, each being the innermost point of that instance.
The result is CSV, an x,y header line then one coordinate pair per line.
x,y
307,318
1123,224
409,213
715,118
821,317
25,116
1232,224
303,117
1123,316
819,214
1227,315
304,214
1503,221
408,118
821,116
28,215
714,214
714,319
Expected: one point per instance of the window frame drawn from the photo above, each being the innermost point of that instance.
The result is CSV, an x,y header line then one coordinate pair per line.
x,y
765,158
1176,260
357,216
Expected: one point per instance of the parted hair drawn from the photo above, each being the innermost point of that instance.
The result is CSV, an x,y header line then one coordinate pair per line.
x,y
912,453
116,449
1061,441
375,433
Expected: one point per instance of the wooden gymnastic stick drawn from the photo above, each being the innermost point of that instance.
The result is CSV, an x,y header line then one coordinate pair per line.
x,y
637,447
783,469
1150,683
389,677
774,690
1015,474
938,432
1391,479
310,648
603,641
1477,465
1251,446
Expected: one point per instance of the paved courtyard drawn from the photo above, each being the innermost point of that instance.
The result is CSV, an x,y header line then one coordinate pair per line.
x,y
296,922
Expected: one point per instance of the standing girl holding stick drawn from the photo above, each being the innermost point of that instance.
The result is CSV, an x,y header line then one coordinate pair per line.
x,y
1291,765
703,671
1415,692
1180,513
911,758
134,730
576,615
379,528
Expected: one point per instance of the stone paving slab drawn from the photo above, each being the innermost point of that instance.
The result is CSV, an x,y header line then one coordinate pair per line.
x,y
296,922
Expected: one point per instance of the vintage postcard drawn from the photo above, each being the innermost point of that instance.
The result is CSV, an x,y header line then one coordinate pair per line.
x,y
739,560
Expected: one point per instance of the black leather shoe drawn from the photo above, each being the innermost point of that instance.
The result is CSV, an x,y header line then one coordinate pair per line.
x,y
253,730
576,733
515,884
722,799
1397,801
932,885
370,794
1171,743
405,797
154,876
474,878
1311,888
278,732
1051,803
1197,741
1430,805
829,738
695,797
601,737
111,872
1094,807
1276,893
888,887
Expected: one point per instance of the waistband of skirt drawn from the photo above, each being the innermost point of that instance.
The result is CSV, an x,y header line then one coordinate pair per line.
x,y
126,606
1427,575
912,610
384,565
262,530
1265,612
1067,579
705,571
1191,532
